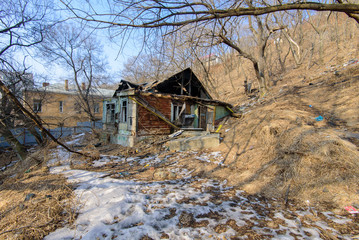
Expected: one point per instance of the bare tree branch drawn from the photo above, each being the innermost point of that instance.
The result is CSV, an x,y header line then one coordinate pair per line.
x,y
161,13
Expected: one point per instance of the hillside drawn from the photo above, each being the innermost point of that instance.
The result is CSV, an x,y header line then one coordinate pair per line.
x,y
281,171
279,145
286,169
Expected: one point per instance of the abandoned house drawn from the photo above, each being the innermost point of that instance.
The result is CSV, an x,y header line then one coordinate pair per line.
x,y
159,108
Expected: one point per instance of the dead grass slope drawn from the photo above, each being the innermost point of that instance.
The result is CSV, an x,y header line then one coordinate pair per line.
x,y
278,148
33,202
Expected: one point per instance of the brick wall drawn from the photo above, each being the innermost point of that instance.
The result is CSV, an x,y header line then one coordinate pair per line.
x,y
148,123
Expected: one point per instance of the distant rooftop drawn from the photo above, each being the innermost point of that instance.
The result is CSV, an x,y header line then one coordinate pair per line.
x,y
66,88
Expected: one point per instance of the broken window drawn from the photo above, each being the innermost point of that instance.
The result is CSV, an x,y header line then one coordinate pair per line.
x,y
177,111
123,116
37,106
110,112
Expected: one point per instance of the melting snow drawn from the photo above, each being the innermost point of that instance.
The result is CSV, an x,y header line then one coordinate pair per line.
x,y
213,157
123,209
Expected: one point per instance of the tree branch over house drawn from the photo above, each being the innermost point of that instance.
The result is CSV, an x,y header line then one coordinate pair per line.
x,y
154,13
216,20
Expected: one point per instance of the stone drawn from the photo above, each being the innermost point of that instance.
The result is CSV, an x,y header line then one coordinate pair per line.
x,y
186,219
160,175
29,196
172,175
165,236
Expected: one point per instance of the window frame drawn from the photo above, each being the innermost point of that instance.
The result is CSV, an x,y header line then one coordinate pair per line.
x,y
110,112
175,110
96,108
124,111
37,105
61,106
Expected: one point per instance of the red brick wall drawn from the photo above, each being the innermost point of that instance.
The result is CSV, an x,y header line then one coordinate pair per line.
x,y
148,123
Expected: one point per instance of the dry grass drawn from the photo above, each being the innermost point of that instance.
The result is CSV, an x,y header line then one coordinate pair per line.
x,y
278,144
277,148
49,208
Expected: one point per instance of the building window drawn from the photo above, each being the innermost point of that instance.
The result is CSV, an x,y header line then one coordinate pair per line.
x,y
96,108
61,106
123,116
37,106
177,110
110,112
77,107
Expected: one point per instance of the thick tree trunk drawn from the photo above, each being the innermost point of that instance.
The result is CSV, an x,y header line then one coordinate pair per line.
x,y
279,57
260,74
20,150
30,126
36,134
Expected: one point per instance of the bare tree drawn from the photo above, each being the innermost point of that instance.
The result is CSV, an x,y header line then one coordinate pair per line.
x,y
261,31
170,17
145,68
74,48
158,13
22,24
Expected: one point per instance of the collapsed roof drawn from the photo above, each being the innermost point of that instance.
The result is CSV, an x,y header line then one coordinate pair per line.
x,y
183,83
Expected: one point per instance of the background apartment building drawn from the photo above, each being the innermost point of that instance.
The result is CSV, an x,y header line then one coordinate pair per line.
x,y
64,105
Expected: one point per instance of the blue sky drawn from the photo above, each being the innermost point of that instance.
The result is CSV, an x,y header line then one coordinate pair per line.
x,y
112,51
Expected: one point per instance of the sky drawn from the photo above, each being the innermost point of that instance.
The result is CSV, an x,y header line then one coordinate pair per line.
x,y
114,54
55,73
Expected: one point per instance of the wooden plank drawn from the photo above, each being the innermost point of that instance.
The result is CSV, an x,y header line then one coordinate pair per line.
x,y
152,110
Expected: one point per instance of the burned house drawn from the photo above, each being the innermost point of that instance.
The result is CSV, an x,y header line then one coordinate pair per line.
x,y
161,107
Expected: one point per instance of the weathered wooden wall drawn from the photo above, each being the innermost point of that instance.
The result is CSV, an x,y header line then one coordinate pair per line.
x,y
149,124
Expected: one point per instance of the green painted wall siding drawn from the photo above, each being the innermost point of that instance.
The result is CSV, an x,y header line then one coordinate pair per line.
x,y
194,110
221,112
